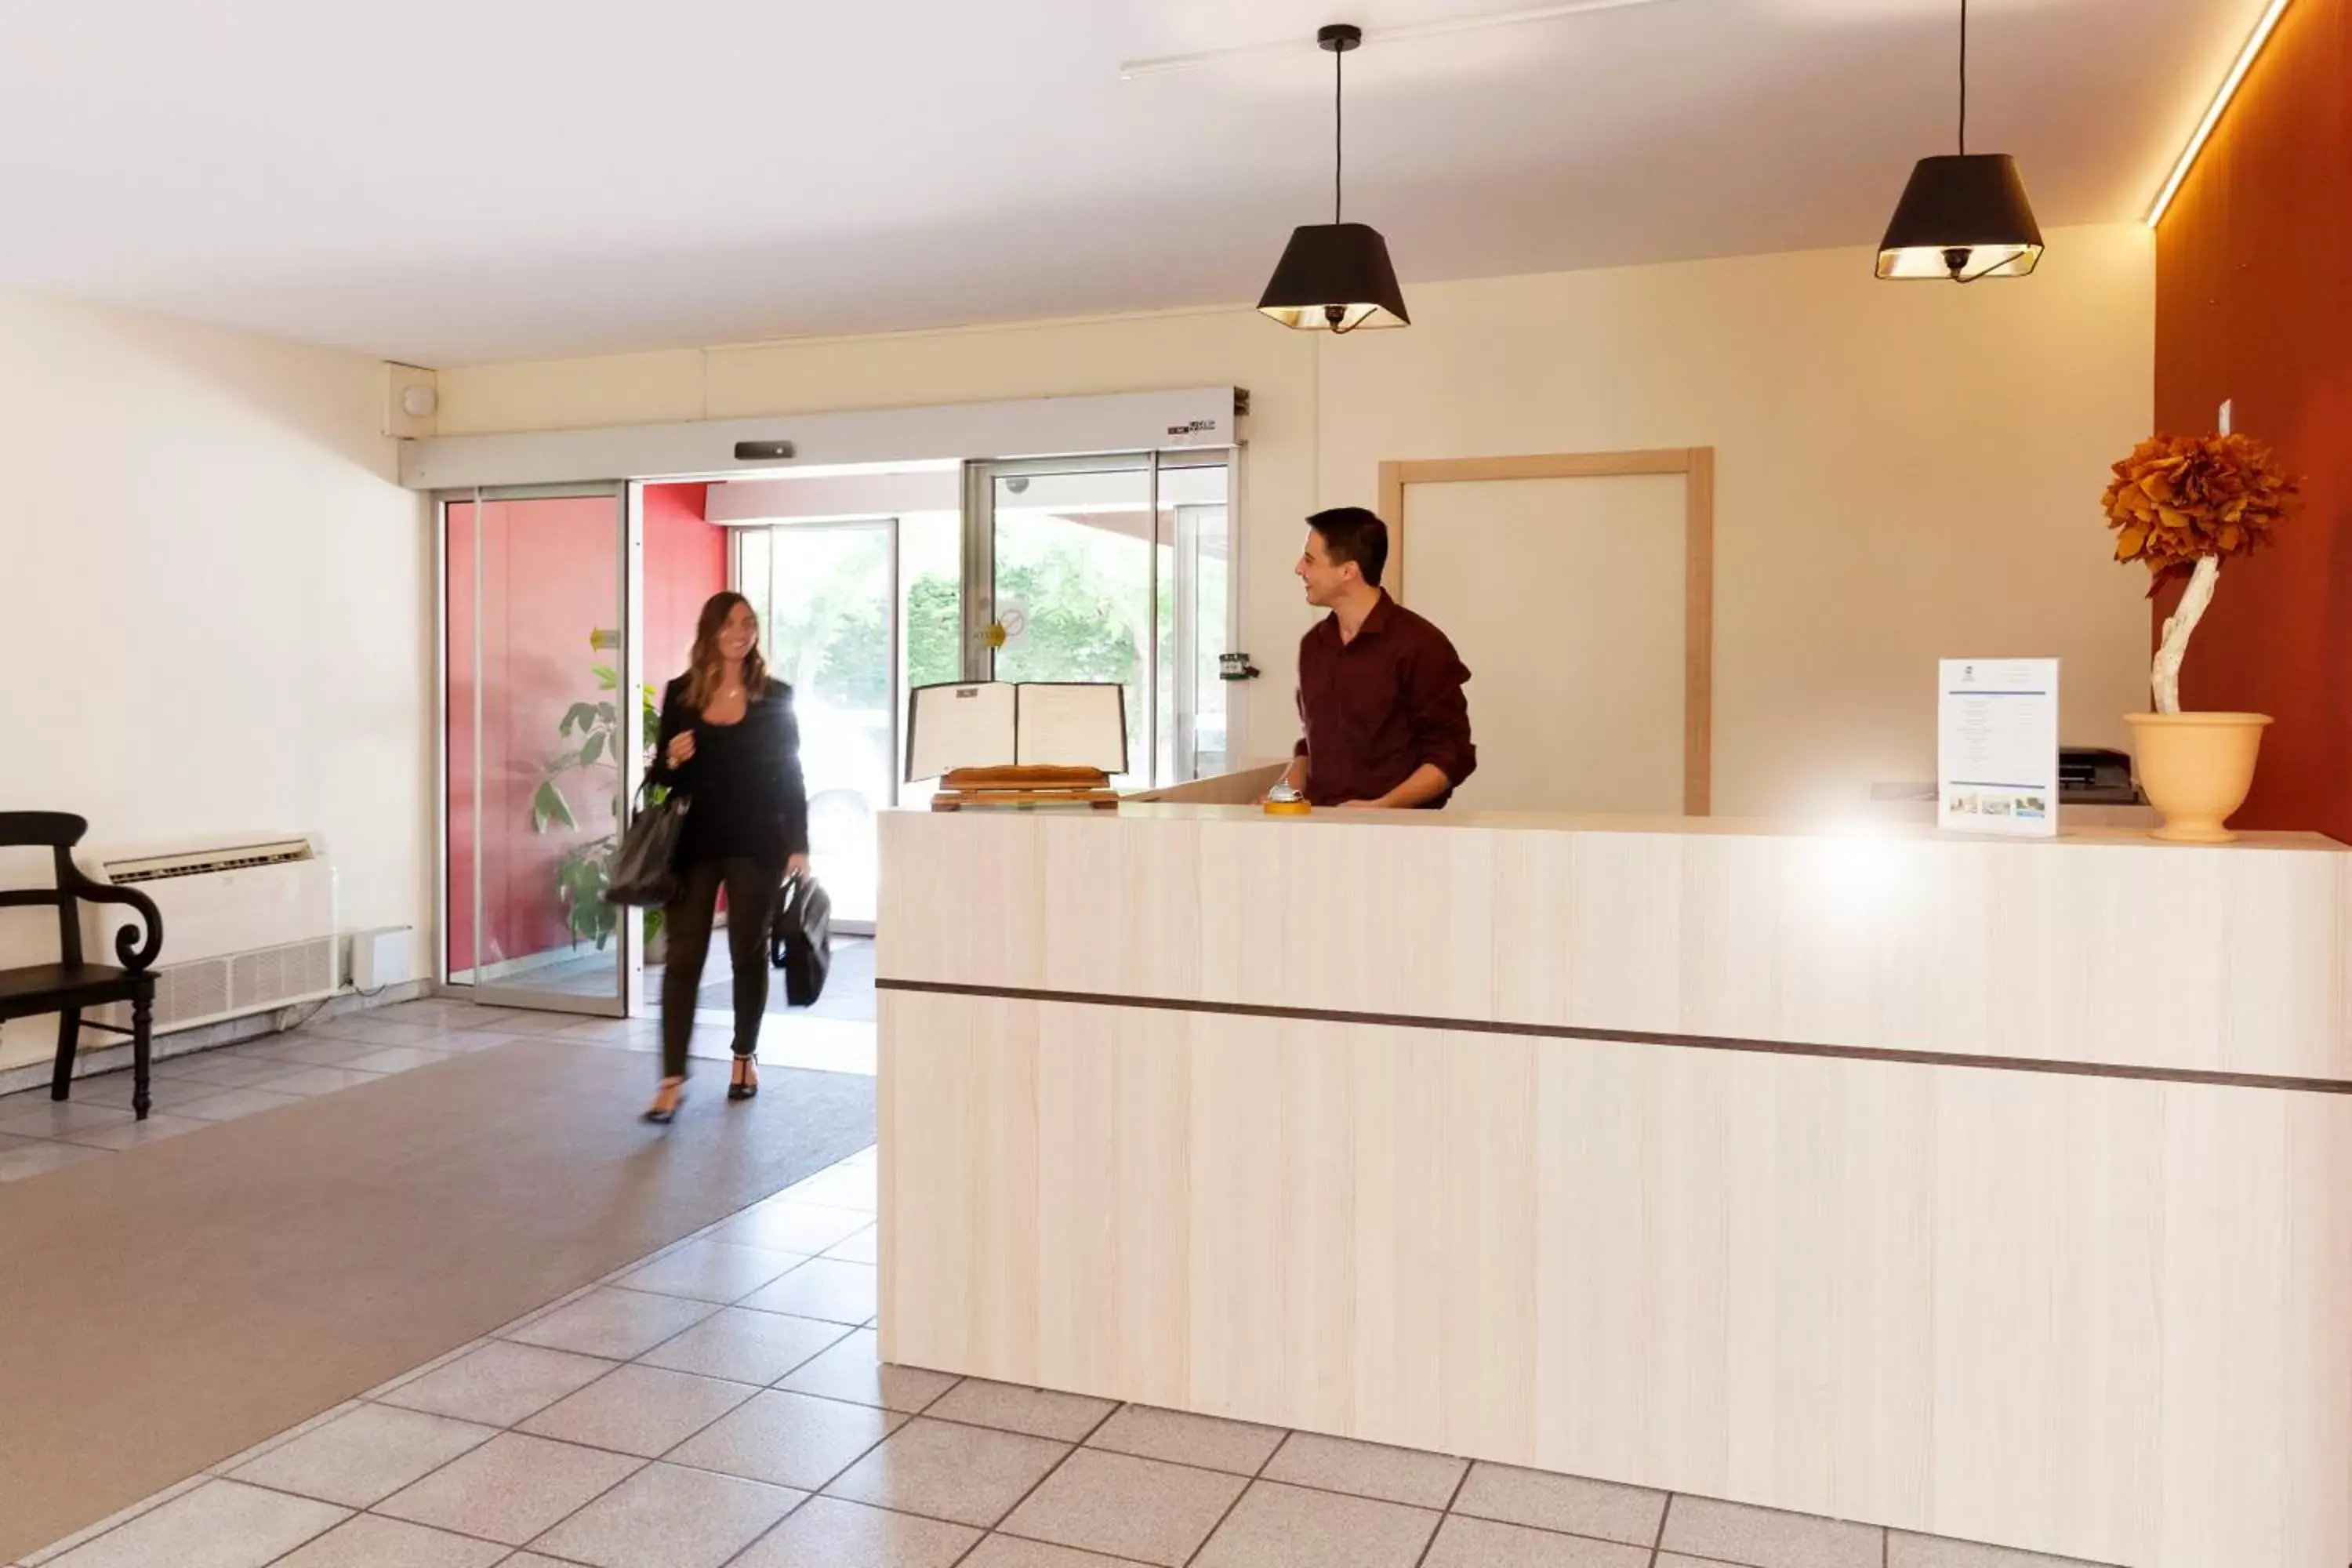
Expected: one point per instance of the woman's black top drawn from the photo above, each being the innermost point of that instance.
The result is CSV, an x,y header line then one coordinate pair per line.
x,y
744,778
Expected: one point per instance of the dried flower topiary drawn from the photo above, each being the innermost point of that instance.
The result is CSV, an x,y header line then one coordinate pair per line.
x,y
2180,503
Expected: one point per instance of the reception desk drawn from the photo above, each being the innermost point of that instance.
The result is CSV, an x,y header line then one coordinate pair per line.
x,y
1990,1189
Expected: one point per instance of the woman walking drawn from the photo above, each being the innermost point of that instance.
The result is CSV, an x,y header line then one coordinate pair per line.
x,y
730,744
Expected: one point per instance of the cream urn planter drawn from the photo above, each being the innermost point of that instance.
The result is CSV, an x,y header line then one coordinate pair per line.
x,y
2195,769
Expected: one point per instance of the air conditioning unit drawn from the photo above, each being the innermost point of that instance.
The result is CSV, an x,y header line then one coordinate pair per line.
x,y
249,924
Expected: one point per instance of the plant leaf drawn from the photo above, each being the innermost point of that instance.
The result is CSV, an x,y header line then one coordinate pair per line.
x,y
548,805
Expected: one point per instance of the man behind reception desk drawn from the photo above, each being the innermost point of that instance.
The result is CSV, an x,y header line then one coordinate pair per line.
x,y
1380,688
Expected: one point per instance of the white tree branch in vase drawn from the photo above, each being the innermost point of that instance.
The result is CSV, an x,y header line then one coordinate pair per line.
x,y
2179,626
2180,503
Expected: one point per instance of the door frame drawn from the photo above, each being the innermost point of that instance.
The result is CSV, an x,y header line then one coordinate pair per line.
x,y
628,949
1696,466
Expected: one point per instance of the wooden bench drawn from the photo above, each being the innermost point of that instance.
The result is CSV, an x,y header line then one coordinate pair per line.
x,y
70,985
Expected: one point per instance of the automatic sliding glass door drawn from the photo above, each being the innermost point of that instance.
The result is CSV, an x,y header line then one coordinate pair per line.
x,y
1114,568
537,741
1110,569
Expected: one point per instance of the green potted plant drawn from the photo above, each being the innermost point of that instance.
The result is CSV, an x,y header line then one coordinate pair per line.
x,y
2180,504
592,733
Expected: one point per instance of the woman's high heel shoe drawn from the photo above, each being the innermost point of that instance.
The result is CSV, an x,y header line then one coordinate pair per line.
x,y
746,1082
667,1100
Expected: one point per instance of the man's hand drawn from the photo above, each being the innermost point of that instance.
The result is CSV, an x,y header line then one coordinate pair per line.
x,y
794,865
1428,782
1363,806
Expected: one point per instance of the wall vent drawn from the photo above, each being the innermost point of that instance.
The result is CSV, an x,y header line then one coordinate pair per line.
x,y
249,924
207,988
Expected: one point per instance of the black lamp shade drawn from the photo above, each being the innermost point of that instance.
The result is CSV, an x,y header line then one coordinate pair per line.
x,y
1963,216
1335,277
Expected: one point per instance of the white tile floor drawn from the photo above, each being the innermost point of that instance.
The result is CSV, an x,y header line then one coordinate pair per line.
x,y
719,1404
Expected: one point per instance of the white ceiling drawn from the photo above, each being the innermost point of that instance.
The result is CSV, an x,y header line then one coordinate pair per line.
x,y
459,181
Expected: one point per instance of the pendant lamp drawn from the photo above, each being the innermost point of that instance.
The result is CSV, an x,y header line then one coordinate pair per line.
x,y
1335,277
1963,216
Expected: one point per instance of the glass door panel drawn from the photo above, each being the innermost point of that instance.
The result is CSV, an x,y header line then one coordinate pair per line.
x,y
1196,527
930,621
1076,579
534,619
828,597
1118,570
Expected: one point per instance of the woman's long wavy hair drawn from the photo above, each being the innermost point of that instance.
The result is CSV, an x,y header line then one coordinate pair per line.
x,y
704,666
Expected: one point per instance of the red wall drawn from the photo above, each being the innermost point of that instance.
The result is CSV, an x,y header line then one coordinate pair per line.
x,y
549,579
2254,304
686,563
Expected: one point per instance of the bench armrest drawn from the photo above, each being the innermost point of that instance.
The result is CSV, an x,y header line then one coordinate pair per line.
x,y
136,954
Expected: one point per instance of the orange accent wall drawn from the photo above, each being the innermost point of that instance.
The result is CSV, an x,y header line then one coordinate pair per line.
x,y
2253,303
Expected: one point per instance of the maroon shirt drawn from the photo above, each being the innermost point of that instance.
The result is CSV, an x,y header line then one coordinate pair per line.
x,y
1379,707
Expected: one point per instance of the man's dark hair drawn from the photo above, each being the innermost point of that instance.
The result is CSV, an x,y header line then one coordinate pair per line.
x,y
1353,534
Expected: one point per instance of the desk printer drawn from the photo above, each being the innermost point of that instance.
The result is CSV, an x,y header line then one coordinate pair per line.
x,y
2092,775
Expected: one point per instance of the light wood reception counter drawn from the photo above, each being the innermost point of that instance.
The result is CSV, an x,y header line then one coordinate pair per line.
x,y
1990,1189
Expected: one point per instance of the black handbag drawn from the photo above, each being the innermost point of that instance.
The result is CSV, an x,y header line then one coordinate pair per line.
x,y
800,939
645,867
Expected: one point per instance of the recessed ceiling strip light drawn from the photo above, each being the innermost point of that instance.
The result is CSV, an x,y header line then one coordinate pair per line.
x,y
2246,58
1161,64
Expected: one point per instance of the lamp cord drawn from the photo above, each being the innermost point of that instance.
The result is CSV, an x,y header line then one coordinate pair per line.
x,y
1964,78
1338,124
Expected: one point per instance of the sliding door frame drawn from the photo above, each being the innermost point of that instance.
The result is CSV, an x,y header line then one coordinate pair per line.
x,y
628,951
980,574
1185,586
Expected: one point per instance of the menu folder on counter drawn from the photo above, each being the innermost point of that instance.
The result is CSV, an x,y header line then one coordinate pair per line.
x,y
1028,743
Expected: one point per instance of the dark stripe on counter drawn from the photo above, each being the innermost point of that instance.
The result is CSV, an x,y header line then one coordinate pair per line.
x,y
2058,1067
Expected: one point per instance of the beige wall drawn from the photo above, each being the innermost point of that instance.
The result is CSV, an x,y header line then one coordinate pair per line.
x,y
214,601
1904,472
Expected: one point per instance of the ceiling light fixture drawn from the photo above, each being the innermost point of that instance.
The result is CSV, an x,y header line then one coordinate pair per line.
x,y
1163,64
1962,216
2246,57
1335,277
